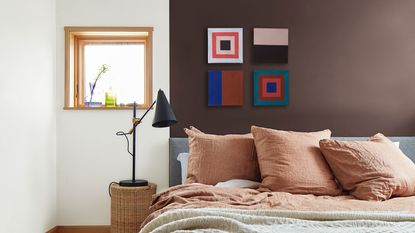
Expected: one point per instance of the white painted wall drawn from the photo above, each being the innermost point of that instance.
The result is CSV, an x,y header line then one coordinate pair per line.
x,y
27,116
89,155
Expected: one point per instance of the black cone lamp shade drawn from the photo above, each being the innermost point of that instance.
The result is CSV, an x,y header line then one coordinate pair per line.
x,y
163,117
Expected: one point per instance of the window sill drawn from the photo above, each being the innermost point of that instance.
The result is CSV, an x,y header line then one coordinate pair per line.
x,y
106,108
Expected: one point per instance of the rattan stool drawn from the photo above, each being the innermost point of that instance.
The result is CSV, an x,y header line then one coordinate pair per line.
x,y
130,207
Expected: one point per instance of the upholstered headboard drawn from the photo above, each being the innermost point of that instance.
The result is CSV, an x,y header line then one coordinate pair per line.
x,y
180,145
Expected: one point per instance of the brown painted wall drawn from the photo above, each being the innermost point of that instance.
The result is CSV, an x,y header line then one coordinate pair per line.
x,y
351,64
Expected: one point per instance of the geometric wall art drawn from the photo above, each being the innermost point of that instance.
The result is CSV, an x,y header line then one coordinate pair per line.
x,y
225,88
270,45
225,45
271,87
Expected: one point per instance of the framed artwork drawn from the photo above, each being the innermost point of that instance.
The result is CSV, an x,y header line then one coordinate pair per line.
x,y
271,87
270,45
225,88
225,45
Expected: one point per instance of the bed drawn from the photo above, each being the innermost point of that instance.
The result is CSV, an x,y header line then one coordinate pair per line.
x,y
204,208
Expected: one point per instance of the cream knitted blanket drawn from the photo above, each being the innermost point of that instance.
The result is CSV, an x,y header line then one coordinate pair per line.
x,y
234,220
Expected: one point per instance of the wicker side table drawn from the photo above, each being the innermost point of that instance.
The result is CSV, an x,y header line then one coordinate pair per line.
x,y
130,207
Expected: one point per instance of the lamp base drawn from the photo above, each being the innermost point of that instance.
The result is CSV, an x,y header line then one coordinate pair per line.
x,y
133,183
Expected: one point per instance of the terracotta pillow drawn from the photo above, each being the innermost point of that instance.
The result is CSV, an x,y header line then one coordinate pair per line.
x,y
195,129
292,162
218,158
371,170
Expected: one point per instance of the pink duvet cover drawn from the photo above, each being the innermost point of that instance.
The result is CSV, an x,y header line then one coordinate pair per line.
x,y
206,196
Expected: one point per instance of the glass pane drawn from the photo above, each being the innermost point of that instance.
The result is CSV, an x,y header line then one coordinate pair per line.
x,y
125,75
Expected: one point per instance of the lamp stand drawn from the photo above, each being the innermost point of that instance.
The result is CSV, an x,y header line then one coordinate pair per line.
x,y
133,182
164,117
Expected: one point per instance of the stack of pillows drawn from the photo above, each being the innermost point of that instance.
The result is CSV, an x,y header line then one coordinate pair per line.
x,y
302,163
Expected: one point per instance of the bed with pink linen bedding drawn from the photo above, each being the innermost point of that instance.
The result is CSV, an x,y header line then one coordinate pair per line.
x,y
205,208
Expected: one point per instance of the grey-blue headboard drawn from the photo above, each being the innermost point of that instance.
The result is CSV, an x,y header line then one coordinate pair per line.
x,y
180,145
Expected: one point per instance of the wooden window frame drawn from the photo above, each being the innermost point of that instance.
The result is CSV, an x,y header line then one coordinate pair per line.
x,y
75,40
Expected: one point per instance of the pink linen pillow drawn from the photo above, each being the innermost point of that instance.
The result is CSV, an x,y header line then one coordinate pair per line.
x,y
218,158
192,128
371,170
292,162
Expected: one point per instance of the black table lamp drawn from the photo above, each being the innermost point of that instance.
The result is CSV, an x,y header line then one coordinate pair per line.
x,y
164,117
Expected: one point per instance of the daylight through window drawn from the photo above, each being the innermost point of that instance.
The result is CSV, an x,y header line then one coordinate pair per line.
x,y
108,68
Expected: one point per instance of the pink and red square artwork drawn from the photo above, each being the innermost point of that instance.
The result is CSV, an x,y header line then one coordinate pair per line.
x,y
225,45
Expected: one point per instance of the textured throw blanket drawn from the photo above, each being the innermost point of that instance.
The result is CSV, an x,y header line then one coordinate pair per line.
x,y
233,220
192,205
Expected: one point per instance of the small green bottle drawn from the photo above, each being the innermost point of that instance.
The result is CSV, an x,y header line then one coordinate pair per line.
x,y
110,98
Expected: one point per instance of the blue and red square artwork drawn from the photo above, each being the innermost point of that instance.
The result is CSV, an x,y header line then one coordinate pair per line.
x,y
225,88
270,87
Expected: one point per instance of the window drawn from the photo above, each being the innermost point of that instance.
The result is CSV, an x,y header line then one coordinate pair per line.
x,y
108,68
